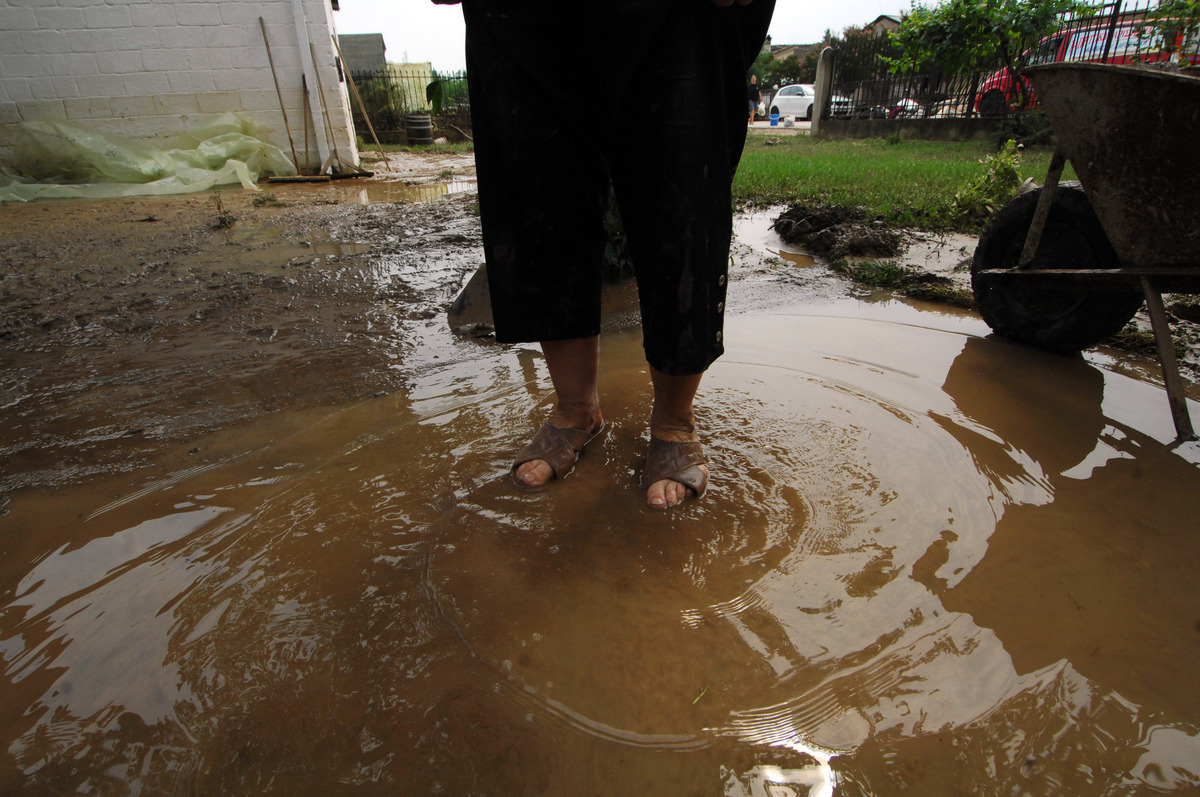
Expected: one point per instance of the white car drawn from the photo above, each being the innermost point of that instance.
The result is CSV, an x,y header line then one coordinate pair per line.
x,y
797,100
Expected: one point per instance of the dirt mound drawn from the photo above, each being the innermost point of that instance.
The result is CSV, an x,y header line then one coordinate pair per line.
x,y
835,231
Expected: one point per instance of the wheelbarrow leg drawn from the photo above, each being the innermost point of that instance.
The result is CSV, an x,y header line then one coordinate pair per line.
x,y
1166,356
1045,201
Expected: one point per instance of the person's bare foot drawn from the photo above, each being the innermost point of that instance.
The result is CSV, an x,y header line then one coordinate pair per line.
x,y
673,420
668,492
538,473
574,365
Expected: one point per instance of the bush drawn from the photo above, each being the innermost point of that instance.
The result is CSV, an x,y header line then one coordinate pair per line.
x,y
995,187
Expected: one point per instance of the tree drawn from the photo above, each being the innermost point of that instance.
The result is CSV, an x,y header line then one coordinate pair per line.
x,y
1177,25
780,72
962,36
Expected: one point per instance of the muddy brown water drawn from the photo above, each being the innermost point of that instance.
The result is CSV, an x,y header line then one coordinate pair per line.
x,y
930,562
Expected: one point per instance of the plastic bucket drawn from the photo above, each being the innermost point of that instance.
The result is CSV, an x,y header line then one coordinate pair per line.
x,y
774,120
419,127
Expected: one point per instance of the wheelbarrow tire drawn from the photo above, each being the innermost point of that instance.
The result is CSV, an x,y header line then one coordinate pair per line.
x,y
1063,321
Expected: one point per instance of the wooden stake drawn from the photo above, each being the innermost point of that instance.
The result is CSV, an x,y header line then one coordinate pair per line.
x,y
361,104
278,93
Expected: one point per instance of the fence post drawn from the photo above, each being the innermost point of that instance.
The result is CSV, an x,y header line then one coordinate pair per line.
x,y
823,88
1112,30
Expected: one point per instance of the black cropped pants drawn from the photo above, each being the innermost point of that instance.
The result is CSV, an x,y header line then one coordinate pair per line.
x,y
568,95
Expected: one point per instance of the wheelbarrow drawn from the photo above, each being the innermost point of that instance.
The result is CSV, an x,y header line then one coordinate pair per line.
x,y
1067,265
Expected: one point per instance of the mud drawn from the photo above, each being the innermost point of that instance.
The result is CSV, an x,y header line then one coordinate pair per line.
x,y
833,231
129,327
258,534
937,267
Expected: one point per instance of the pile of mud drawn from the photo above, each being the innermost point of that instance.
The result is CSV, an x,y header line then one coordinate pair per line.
x,y
835,231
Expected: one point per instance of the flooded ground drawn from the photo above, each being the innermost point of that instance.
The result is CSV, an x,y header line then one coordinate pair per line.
x,y
258,533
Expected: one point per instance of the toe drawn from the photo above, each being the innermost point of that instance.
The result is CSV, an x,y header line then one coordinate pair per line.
x,y
656,496
535,473
665,493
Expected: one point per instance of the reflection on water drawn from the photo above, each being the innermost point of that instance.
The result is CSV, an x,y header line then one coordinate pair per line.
x,y
926,561
369,192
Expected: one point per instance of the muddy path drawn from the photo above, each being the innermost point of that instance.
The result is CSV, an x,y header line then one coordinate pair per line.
x,y
141,333
258,533
130,328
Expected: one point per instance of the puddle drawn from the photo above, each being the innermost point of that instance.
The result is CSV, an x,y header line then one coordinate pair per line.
x,y
754,236
927,560
271,544
368,191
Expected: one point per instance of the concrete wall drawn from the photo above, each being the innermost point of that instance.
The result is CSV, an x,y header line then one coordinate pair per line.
x,y
155,68
925,129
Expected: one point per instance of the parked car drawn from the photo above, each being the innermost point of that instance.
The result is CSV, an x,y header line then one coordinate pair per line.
x,y
1132,41
797,100
906,109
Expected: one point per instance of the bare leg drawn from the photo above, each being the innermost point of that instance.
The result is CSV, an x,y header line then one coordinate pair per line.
x,y
672,419
574,367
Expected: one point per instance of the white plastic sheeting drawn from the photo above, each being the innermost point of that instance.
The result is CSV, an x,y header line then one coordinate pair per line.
x,y
57,158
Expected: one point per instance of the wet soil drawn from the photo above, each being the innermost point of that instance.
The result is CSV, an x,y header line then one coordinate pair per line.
x,y
259,535
937,268
130,327
834,231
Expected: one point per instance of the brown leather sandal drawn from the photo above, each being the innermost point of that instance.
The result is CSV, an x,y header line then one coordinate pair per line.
x,y
679,462
560,448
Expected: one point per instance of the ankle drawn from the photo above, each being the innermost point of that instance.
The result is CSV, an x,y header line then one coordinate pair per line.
x,y
583,415
675,429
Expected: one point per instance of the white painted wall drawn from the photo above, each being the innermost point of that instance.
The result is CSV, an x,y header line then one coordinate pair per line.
x,y
155,68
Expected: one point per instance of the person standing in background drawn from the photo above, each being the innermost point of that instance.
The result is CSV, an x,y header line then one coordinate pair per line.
x,y
754,95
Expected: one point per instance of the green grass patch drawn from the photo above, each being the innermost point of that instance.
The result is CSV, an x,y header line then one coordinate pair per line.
x,y
906,183
876,273
890,275
1142,341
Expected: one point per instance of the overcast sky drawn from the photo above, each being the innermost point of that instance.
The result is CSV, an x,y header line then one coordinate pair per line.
x,y
418,30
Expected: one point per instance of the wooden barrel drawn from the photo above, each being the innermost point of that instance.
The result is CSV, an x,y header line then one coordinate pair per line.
x,y
419,127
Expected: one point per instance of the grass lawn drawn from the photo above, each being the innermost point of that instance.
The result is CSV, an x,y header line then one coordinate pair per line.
x,y
907,183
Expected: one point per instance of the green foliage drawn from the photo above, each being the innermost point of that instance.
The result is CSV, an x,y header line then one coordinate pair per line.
x,y
1142,341
994,188
435,94
773,72
910,184
381,95
446,91
967,35
890,275
876,273
1030,129
1174,21
860,52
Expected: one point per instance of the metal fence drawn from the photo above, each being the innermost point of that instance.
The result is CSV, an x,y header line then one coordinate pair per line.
x,y
390,96
1119,32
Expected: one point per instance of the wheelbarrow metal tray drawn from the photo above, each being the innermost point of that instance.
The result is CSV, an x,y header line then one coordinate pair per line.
x,y
1130,133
